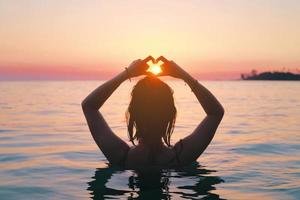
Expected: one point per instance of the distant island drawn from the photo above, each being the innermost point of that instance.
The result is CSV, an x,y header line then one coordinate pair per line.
x,y
287,76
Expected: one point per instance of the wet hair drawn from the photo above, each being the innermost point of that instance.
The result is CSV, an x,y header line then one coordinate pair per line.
x,y
151,112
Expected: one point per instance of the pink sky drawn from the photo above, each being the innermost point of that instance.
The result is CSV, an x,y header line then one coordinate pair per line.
x,y
60,39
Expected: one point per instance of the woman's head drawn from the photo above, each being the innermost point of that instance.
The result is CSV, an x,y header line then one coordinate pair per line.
x,y
151,113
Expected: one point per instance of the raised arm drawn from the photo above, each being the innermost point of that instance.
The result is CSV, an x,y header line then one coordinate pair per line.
x,y
113,147
195,143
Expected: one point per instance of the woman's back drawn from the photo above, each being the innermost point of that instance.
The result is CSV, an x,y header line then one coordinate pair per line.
x,y
140,156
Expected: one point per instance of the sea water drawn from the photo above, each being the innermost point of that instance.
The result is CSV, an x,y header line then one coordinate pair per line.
x,y
47,152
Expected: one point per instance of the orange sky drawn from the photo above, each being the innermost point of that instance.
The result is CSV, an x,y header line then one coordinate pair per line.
x,y
63,39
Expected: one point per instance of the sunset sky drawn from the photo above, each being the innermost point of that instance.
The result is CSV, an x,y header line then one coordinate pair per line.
x,y
76,39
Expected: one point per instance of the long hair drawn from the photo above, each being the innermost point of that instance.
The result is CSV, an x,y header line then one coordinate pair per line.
x,y
151,112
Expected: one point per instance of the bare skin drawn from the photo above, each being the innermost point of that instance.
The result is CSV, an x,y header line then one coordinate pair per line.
x,y
115,149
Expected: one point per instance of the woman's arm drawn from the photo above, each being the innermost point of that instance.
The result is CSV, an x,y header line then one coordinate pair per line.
x,y
195,144
111,145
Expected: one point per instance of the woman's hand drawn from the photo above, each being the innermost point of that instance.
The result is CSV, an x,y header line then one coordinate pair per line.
x,y
170,68
139,67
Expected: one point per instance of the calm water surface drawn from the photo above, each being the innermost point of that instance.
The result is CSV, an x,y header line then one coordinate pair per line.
x,y
47,152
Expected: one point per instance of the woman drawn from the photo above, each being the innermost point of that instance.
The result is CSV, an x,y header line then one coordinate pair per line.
x,y
150,119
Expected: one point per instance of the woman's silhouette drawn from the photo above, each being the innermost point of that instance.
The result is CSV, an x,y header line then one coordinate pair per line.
x,y
150,118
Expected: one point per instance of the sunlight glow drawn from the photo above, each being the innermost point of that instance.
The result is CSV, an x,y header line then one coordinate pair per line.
x,y
154,69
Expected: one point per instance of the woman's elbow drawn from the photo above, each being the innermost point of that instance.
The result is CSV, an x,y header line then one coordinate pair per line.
x,y
85,105
222,111
218,112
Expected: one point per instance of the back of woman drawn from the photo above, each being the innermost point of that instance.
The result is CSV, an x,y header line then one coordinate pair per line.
x,y
151,117
139,157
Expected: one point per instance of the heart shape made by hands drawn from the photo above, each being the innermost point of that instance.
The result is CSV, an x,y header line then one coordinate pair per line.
x,y
154,67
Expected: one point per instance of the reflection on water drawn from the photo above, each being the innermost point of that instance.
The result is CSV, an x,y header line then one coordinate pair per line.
x,y
188,183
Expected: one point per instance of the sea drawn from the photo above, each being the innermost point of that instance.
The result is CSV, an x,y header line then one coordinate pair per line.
x,y
47,151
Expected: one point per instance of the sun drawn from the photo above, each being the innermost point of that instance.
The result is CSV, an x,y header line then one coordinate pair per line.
x,y
154,69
